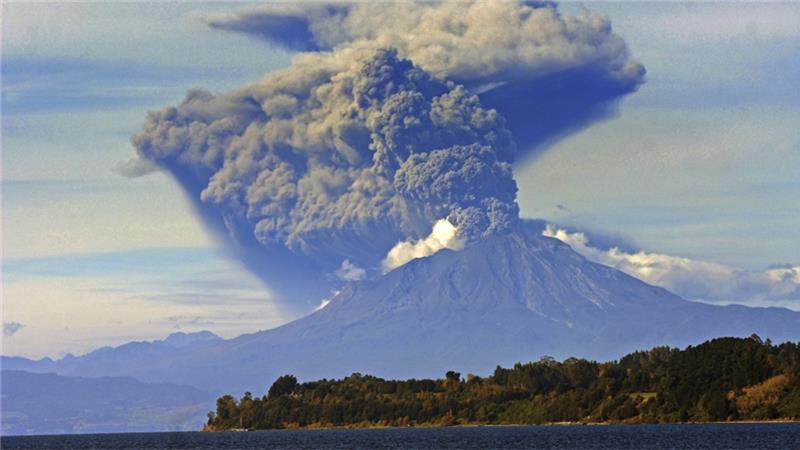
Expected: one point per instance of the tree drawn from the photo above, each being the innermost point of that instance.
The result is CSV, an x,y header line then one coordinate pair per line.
x,y
282,386
723,379
227,410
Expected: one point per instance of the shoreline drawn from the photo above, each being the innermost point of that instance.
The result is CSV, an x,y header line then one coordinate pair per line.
x,y
551,424
508,425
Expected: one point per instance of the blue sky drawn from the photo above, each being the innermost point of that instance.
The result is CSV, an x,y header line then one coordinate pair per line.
x,y
700,163
702,160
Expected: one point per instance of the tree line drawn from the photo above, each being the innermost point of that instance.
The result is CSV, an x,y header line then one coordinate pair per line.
x,y
725,379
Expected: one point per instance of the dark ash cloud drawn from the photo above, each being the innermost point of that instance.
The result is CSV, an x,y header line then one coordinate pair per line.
x,y
337,158
548,73
289,26
371,137
134,168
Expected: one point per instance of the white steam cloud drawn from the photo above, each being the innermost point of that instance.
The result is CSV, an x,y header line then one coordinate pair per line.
x,y
350,272
692,279
443,236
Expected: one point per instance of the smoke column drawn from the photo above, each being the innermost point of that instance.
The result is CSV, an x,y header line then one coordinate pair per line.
x,y
391,119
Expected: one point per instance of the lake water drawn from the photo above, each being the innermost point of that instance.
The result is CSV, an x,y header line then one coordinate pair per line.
x,y
728,436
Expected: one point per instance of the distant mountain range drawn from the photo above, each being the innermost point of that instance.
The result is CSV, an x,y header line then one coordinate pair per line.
x,y
508,298
37,403
133,358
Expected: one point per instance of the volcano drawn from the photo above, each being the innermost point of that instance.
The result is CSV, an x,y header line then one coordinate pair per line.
x,y
513,297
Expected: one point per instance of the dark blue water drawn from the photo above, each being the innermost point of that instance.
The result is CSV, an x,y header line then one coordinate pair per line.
x,y
728,436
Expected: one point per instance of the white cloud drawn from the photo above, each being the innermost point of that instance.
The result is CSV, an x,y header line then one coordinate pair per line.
x,y
444,235
113,299
350,272
693,279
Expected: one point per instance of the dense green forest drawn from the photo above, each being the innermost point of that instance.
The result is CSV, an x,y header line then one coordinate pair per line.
x,y
724,379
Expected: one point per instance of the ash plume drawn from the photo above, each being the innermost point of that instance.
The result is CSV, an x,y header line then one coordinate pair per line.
x,y
371,137
549,73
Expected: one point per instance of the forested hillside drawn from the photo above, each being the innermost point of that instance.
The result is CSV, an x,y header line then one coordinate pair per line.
x,y
724,379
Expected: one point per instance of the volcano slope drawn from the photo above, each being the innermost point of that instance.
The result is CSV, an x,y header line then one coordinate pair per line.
x,y
507,298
